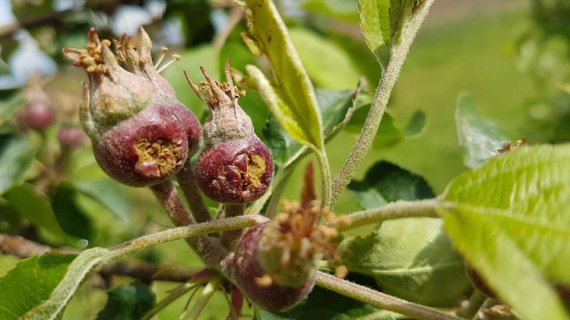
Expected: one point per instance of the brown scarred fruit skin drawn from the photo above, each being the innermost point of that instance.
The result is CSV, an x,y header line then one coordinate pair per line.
x,y
236,171
246,269
235,167
141,134
117,153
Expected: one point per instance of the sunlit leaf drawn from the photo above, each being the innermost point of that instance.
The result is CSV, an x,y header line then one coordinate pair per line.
x,y
510,219
85,263
478,138
412,259
328,65
293,100
335,108
382,22
30,282
346,10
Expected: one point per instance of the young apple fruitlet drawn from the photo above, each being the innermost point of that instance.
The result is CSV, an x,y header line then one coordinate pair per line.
x,y
141,134
235,166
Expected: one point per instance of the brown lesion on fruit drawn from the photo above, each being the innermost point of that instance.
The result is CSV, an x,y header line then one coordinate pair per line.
x,y
255,168
156,158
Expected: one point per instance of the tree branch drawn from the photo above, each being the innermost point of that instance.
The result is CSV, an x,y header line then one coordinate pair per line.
x,y
140,270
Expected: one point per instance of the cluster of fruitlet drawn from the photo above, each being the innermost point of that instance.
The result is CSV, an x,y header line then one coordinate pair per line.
x,y
142,135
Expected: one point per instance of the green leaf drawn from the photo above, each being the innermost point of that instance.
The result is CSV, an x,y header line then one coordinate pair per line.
x,y
328,65
386,182
325,304
382,22
30,283
416,125
286,115
412,259
335,109
390,132
510,219
83,265
375,24
16,156
293,102
409,258
478,138
36,208
346,10
109,194
9,106
128,302
69,214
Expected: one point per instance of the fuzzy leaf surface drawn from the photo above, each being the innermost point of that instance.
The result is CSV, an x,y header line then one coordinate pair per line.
x,y
510,219
479,139
412,259
293,100
31,282
85,263
16,156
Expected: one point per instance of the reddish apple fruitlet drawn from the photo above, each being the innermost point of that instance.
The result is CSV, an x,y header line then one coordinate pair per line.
x,y
235,166
71,137
275,263
249,275
141,134
36,116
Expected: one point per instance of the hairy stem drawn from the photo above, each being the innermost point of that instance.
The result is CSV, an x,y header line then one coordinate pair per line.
x,y
380,300
230,238
391,211
183,232
397,57
209,249
187,181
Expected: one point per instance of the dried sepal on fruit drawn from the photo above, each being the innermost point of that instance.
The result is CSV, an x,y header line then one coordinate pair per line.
x,y
235,166
275,263
141,134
